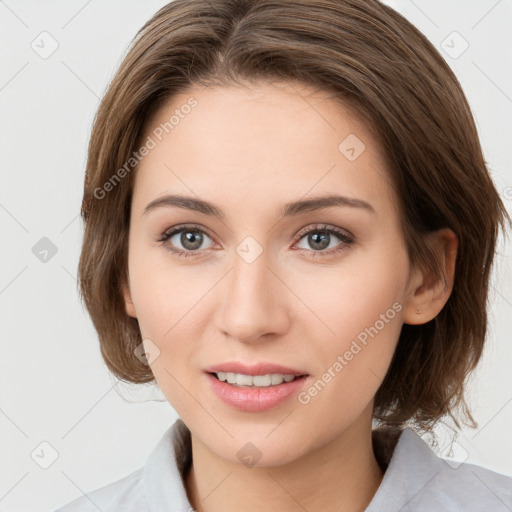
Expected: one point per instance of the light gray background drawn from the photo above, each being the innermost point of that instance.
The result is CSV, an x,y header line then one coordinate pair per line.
x,y
54,386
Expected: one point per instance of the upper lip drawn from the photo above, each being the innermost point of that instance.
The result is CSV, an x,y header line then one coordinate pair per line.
x,y
254,369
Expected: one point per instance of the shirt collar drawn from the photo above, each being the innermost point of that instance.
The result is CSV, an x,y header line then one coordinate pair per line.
x,y
412,467
408,461
162,474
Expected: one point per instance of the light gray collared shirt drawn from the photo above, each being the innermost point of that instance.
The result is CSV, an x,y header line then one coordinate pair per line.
x,y
415,480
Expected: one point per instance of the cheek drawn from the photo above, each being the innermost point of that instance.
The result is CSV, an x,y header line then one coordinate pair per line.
x,y
164,294
170,302
353,365
352,297
361,318
167,304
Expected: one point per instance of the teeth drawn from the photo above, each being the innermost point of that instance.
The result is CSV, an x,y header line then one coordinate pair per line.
x,y
239,379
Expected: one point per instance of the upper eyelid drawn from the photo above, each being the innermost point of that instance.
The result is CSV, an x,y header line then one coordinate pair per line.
x,y
325,227
178,228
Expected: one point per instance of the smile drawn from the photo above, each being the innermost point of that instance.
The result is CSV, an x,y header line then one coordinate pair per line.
x,y
242,380
255,393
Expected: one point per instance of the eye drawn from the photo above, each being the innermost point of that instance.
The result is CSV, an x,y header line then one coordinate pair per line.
x,y
320,238
191,239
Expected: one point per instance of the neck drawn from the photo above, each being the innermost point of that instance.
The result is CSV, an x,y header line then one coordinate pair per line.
x,y
342,475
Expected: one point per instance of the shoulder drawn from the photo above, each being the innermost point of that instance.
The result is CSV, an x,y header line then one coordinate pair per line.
x,y
158,486
418,480
125,494
470,486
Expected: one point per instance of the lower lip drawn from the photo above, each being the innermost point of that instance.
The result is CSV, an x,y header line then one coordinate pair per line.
x,y
255,399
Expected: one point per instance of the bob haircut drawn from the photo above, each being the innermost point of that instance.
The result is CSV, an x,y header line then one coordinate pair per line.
x,y
371,59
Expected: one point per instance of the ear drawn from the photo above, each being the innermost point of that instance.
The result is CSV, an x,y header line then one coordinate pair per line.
x,y
428,295
128,304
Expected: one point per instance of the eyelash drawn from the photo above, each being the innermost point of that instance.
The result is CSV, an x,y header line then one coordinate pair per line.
x,y
346,240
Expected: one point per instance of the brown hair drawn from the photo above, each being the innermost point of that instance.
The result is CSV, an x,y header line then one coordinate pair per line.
x,y
372,59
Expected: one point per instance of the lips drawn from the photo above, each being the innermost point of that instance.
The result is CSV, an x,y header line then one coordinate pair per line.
x,y
255,398
254,369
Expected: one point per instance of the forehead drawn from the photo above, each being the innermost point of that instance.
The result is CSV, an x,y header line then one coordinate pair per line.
x,y
268,141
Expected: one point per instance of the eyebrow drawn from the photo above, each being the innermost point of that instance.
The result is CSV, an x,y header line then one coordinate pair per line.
x,y
288,210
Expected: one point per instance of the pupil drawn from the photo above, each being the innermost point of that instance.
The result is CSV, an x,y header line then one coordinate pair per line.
x,y
188,238
322,239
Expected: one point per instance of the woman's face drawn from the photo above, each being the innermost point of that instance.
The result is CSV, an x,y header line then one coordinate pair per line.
x,y
265,272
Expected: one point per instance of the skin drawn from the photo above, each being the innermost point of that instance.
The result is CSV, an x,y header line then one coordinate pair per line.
x,y
249,150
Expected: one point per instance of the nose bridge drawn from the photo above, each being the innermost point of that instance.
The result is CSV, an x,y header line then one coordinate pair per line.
x,y
251,301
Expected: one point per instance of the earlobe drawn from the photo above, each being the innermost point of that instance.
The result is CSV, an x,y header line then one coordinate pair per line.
x,y
428,295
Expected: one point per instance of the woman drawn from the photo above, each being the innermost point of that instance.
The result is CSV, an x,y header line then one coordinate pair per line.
x,y
290,227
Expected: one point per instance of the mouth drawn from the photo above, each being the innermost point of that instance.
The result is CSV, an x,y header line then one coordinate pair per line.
x,y
268,380
252,389
255,387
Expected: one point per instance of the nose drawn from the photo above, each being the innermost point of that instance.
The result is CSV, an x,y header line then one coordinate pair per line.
x,y
253,302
